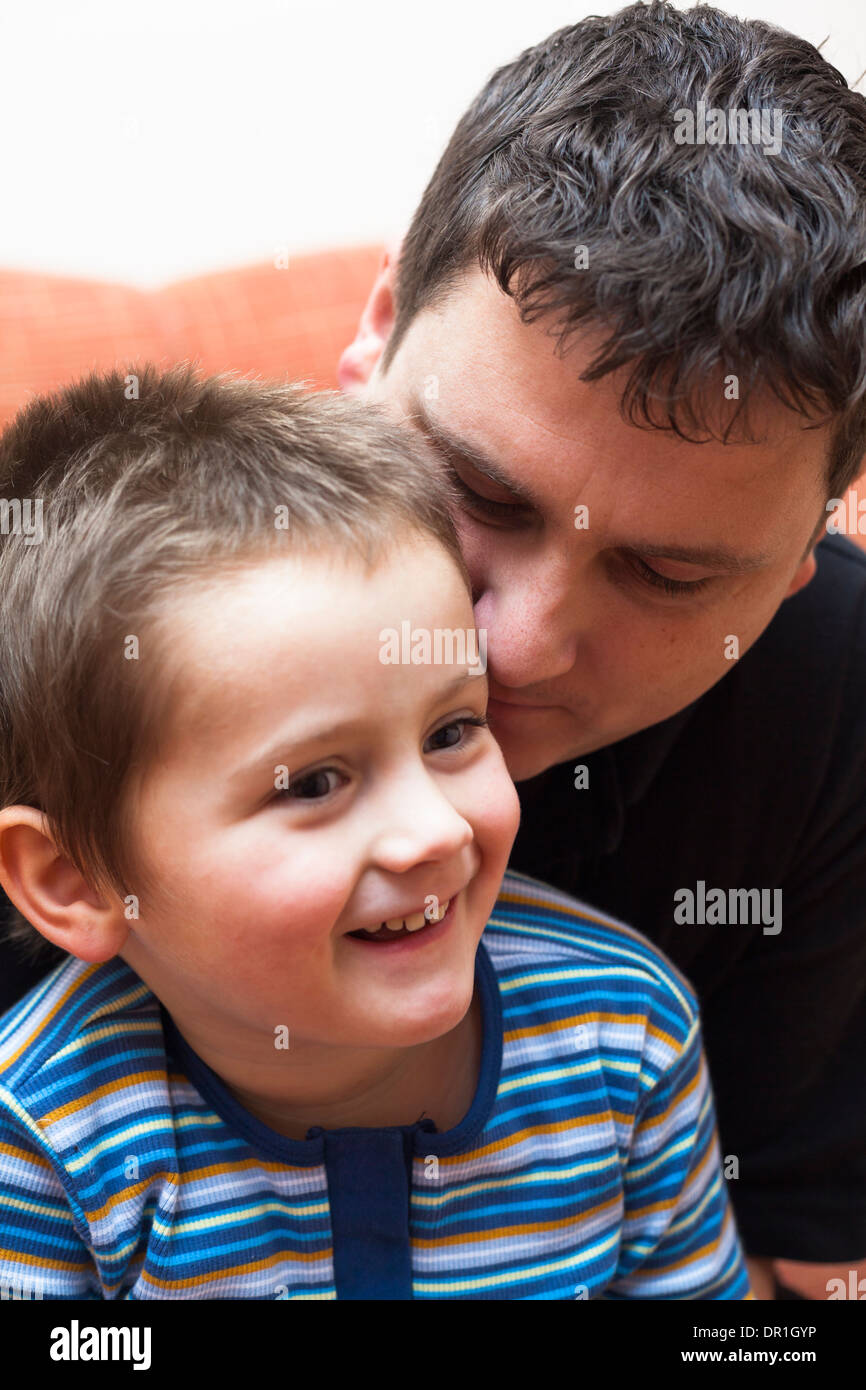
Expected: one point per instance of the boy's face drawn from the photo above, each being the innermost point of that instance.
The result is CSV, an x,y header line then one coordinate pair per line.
x,y
393,798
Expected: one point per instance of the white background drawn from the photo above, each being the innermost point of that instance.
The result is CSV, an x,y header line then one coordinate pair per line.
x,y
146,141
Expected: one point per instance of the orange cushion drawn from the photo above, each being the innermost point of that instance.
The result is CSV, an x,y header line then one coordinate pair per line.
x,y
287,324
281,324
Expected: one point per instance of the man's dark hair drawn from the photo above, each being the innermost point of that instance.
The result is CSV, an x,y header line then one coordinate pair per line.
x,y
700,259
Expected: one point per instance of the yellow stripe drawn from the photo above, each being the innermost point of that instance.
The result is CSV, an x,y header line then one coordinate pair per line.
x,y
45,1019
595,1016
520,1229
37,1208
519,1083
42,1263
186,1180
665,973
511,1141
24,1157
513,1276
209,1223
674,1105
110,1088
107,1031
470,1188
194,1281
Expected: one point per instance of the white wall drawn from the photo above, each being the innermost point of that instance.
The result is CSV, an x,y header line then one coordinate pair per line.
x,y
145,141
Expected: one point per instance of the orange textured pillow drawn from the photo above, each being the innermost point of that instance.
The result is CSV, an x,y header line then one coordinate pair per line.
x,y
285,324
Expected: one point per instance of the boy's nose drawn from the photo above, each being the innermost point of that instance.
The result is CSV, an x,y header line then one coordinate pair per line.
x,y
417,826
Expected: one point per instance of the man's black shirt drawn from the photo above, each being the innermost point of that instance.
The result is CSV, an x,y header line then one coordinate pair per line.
x,y
760,783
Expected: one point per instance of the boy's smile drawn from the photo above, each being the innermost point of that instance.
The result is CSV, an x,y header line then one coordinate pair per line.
x,y
307,792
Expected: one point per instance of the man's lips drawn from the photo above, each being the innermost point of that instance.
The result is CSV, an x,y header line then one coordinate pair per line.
x,y
518,704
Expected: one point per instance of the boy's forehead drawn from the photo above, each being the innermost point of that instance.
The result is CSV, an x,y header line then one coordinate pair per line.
x,y
303,639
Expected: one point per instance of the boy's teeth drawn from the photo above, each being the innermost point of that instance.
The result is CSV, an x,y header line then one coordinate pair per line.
x,y
417,920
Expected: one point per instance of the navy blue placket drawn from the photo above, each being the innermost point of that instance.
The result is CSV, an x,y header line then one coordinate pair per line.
x,y
368,1171
369,1179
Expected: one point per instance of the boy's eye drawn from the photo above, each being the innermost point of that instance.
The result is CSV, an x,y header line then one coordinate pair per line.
x,y
312,786
457,732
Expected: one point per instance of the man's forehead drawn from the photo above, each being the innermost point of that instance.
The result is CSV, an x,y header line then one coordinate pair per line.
x,y
530,367
505,393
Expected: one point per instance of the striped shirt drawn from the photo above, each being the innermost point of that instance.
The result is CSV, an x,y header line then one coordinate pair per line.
x,y
586,1167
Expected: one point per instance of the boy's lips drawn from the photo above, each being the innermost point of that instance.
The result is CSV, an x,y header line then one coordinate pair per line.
x,y
391,940
416,917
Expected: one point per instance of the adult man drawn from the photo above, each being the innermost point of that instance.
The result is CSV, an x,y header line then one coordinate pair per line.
x,y
670,739
677,650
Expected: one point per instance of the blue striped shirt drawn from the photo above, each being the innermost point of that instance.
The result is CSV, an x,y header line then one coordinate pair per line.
x,y
586,1167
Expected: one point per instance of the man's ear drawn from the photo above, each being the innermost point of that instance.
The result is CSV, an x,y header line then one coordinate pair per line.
x,y
808,566
52,894
358,361
805,571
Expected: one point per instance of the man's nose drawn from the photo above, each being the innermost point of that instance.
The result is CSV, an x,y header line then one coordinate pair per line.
x,y
535,620
416,823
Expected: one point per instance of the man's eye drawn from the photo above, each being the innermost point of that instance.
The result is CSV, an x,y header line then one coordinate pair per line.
x,y
670,586
485,505
312,786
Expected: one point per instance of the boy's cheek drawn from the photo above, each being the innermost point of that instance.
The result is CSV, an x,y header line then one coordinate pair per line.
x,y
494,817
502,806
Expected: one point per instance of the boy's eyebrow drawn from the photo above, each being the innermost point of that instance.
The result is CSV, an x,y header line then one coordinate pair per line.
x,y
453,446
273,755
711,556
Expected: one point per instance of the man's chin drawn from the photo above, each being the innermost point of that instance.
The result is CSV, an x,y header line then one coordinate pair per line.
x,y
524,762
529,748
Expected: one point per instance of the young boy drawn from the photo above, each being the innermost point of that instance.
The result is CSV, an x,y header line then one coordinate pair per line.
x,y
303,1040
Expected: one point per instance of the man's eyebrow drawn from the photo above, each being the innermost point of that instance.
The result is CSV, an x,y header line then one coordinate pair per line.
x,y
452,446
710,556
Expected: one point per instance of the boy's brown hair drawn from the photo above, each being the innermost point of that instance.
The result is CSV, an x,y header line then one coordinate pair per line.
x,y
148,480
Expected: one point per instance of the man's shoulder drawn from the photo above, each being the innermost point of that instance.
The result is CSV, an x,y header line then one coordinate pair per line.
x,y
565,953
783,733
789,722
845,557
822,629
84,1034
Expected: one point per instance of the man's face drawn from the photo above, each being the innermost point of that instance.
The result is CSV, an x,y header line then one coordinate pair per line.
x,y
585,644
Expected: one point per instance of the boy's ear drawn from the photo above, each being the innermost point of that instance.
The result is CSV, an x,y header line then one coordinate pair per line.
x,y
52,894
358,361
